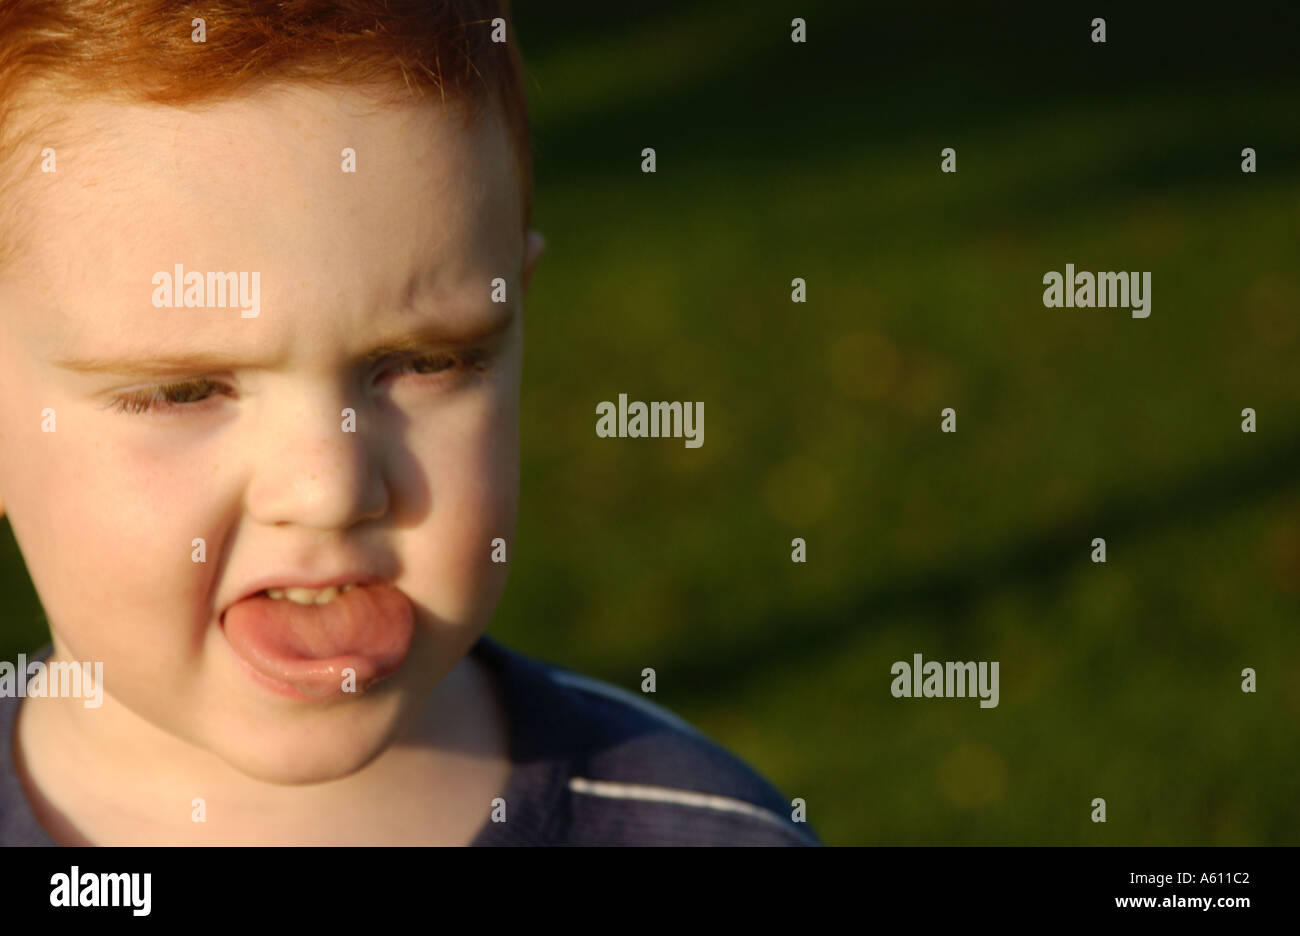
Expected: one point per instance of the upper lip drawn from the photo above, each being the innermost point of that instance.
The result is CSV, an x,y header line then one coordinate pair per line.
x,y
302,580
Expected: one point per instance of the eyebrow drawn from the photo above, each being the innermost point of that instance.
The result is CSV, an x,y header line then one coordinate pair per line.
x,y
187,363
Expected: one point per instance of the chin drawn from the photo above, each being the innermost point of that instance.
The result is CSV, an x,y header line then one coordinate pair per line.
x,y
295,754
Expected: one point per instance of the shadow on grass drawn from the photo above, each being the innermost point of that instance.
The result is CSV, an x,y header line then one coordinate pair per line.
x,y
885,75
956,591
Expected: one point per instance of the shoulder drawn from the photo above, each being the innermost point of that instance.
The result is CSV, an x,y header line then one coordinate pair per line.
x,y
635,773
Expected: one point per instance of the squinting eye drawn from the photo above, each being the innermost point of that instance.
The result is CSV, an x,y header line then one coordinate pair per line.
x,y
189,393
437,363
168,396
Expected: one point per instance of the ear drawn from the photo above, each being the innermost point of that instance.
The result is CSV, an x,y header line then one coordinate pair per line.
x,y
534,245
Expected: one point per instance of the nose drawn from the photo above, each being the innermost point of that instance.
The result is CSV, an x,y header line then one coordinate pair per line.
x,y
311,472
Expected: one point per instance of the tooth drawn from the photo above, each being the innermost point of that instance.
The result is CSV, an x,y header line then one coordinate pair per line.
x,y
326,595
348,587
275,592
304,596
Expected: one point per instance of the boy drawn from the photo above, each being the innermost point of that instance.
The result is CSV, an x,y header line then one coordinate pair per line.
x,y
258,433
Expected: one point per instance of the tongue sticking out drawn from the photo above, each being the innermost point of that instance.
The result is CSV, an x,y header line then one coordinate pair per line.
x,y
367,628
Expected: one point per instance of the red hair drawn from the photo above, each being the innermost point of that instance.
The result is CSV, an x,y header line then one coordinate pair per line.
x,y
143,50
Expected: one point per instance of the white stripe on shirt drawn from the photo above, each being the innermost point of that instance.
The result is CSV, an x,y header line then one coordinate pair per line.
x,y
658,794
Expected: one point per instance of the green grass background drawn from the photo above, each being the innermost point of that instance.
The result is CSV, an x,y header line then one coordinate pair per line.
x,y
778,160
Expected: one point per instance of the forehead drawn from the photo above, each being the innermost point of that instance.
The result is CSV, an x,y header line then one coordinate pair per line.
x,y
259,184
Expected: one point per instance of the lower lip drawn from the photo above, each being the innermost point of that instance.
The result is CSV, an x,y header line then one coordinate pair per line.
x,y
280,688
330,685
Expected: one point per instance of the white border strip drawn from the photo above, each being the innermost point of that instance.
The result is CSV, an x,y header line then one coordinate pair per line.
x,y
658,794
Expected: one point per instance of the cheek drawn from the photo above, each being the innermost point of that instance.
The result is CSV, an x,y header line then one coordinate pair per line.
x,y
472,472
151,504
109,544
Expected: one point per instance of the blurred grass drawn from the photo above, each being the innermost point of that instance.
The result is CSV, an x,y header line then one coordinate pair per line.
x,y
822,420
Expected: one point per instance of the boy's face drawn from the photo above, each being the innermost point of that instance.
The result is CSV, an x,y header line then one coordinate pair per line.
x,y
254,458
